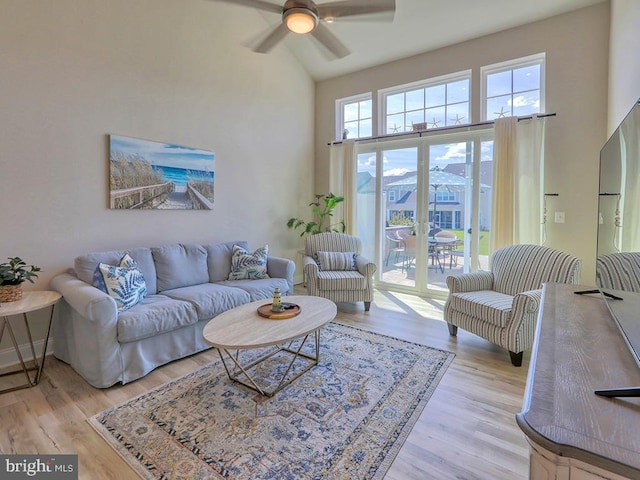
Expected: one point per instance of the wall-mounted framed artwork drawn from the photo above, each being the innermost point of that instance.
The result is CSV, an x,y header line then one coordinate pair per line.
x,y
152,175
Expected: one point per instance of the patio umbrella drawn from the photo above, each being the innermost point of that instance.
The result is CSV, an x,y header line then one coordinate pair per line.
x,y
438,179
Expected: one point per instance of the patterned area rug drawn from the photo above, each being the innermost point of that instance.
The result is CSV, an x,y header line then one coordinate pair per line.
x,y
346,418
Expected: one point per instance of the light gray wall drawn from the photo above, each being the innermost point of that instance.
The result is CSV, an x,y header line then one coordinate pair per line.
x,y
576,46
624,63
72,72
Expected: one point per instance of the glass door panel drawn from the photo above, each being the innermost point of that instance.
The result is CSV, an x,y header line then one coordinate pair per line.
x,y
366,201
399,216
484,202
450,189
420,212
459,207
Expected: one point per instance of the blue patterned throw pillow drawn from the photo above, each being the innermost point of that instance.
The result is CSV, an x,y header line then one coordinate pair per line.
x,y
125,283
245,265
336,260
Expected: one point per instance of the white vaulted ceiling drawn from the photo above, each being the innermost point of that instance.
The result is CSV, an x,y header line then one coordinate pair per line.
x,y
419,26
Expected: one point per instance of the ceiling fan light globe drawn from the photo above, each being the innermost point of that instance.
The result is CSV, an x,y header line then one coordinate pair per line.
x,y
300,20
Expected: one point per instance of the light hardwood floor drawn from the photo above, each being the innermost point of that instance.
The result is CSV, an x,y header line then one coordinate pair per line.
x,y
467,430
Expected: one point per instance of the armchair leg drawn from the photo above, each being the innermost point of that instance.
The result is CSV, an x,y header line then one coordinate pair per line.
x,y
453,329
367,305
516,358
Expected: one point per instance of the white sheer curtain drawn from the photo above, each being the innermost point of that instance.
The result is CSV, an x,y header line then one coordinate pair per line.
x,y
342,181
518,178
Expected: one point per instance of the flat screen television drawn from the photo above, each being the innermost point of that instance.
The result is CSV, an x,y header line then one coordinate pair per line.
x,y
618,261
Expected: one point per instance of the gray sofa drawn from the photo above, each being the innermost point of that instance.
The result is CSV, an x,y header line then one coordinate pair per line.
x,y
187,285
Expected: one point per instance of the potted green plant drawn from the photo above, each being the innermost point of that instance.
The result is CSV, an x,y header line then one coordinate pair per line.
x,y
322,210
12,275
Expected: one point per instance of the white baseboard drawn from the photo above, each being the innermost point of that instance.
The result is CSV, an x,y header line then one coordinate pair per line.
x,y
8,357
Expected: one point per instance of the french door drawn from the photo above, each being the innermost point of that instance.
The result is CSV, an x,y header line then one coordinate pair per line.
x,y
424,208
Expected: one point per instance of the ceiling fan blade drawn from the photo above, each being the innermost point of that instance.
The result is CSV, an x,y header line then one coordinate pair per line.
x,y
259,4
377,10
330,41
272,38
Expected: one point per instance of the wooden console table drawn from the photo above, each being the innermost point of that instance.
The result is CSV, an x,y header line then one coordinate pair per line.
x,y
31,301
573,433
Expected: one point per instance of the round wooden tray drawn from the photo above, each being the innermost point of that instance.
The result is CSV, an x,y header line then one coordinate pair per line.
x,y
265,311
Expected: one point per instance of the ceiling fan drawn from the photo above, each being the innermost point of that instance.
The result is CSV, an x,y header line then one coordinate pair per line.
x,y
309,17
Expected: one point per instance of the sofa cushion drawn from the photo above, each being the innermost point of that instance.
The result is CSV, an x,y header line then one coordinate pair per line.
x,y
85,265
246,265
259,289
154,315
348,280
124,282
219,259
336,260
210,299
491,306
180,265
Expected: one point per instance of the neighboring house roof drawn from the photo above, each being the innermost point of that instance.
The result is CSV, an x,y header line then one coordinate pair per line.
x,y
365,183
486,171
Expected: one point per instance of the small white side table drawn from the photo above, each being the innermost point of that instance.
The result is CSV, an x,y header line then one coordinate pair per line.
x,y
31,301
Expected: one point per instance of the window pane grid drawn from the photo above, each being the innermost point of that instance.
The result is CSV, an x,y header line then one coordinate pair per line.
x,y
514,88
432,106
357,119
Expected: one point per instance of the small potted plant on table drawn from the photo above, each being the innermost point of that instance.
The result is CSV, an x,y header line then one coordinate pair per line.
x,y
12,275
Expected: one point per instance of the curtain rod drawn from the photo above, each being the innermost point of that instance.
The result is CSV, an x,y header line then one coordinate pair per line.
x,y
440,129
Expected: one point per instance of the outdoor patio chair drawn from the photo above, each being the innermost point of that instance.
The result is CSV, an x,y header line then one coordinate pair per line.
x,y
501,305
447,242
395,246
410,244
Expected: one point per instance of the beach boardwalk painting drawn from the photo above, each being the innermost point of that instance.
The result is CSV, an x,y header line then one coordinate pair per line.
x,y
154,175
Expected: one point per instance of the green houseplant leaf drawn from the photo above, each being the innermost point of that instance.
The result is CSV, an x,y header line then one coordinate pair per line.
x,y
16,271
322,211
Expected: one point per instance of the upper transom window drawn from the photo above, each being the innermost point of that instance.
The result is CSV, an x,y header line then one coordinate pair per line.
x,y
355,117
432,103
513,88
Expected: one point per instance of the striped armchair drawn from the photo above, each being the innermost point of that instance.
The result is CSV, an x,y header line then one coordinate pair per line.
x,y
619,271
502,305
335,269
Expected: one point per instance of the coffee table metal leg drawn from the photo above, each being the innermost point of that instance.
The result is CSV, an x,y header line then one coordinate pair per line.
x,y
235,369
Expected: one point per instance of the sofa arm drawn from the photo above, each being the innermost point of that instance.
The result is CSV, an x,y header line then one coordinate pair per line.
x,y
278,267
365,266
90,302
86,331
470,282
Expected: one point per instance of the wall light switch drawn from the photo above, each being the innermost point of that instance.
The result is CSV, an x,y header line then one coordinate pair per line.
x,y
559,217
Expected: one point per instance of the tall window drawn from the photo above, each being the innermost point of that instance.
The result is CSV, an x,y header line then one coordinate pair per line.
x,y
513,88
427,104
355,117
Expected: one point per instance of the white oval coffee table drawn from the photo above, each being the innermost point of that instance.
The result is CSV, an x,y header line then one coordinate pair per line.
x,y
242,328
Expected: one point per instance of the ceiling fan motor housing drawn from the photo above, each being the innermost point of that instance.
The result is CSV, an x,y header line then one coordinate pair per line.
x,y
306,4
300,7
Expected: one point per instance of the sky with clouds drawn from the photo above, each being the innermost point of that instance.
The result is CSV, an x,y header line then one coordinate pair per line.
x,y
163,154
400,161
